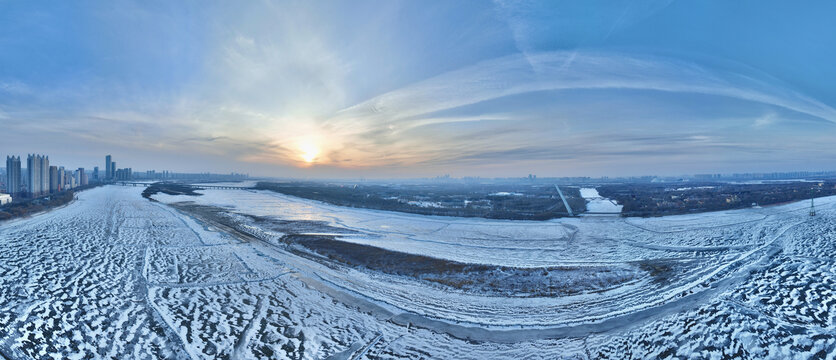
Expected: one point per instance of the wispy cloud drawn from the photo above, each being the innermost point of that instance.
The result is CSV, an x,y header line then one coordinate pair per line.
x,y
591,70
371,127
478,87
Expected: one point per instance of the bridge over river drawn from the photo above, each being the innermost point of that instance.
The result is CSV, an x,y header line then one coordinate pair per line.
x,y
193,186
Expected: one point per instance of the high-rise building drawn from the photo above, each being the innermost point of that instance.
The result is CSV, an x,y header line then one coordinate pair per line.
x,y
124,174
71,183
82,177
62,178
113,170
37,169
33,174
95,173
54,180
44,174
13,179
108,168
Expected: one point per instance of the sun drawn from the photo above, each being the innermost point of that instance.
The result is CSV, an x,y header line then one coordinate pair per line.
x,y
308,151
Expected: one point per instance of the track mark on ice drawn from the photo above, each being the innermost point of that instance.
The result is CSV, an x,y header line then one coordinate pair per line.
x,y
249,331
217,283
369,346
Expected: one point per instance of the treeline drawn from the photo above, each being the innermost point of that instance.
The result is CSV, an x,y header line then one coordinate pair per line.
x,y
31,206
658,199
168,188
530,203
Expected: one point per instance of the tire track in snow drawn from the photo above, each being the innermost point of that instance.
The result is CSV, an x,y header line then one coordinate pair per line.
x,y
249,331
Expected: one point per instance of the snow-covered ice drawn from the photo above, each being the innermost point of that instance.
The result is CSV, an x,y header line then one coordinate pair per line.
x,y
599,204
113,275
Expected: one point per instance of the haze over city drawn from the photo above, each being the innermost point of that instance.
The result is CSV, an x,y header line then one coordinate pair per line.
x,y
418,89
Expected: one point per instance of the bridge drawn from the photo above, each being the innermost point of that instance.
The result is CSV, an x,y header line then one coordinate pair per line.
x,y
194,187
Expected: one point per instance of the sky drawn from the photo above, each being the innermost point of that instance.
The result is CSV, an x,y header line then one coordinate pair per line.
x,y
382,89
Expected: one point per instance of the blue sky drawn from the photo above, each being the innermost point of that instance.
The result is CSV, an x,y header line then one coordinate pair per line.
x,y
422,88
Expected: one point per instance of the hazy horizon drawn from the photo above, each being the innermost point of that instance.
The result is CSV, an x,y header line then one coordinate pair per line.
x,y
422,89
384,204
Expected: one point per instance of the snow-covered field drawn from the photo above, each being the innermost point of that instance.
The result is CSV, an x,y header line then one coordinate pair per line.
x,y
114,275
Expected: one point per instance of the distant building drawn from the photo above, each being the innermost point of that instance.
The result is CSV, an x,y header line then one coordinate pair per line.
x,y
13,176
108,168
37,169
62,178
124,174
95,173
71,183
54,180
5,199
82,177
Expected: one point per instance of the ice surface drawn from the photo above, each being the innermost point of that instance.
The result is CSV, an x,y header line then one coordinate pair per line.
x,y
113,275
599,204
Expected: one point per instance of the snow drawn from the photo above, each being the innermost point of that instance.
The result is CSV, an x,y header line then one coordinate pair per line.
x,y
691,188
598,204
505,193
113,275
425,204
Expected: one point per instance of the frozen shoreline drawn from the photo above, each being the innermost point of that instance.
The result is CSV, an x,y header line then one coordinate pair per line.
x,y
190,289
599,204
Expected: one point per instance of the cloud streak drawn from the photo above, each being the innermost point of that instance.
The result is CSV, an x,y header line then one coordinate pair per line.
x,y
379,125
594,70
506,86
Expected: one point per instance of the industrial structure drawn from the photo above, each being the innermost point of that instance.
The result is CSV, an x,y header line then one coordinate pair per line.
x,y
812,205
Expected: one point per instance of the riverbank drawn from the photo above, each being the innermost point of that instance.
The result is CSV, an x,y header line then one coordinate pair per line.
x,y
31,207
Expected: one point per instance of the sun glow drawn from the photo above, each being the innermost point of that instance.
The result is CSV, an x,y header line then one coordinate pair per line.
x,y
308,151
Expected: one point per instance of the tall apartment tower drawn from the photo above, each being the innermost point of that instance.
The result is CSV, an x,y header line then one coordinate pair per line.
x,y
44,174
82,177
33,175
108,168
54,181
13,180
95,173
62,178
37,169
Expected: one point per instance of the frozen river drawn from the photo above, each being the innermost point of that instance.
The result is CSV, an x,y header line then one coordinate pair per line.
x,y
115,275
599,204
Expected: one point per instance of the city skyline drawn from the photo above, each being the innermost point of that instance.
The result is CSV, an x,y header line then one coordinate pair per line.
x,y
112,174
41,179
417,179
110,171
314,90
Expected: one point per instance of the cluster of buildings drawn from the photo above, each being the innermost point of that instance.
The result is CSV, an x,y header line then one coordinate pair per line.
x,y
41,179
767,176
114,174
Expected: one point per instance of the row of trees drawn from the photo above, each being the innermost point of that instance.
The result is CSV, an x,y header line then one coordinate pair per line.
x,y
31,206
168,188
658,200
